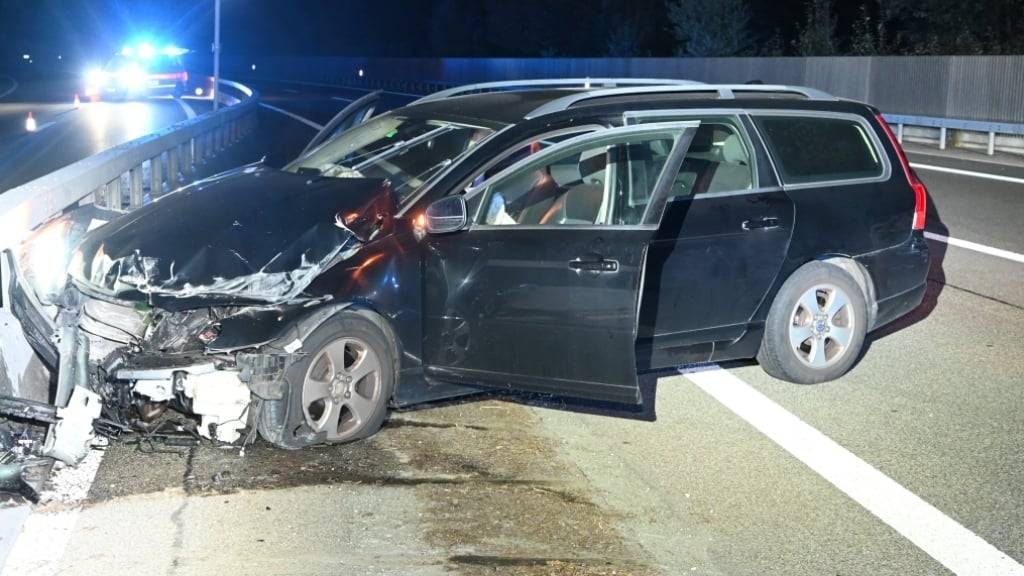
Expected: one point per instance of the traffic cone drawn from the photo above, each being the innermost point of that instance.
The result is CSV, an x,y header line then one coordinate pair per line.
x,y
30,123
78,103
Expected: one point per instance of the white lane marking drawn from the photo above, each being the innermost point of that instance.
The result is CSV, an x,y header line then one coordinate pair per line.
x,y
955,547
293,116
997,252
972,173
14,86
44,536
42,127
186,107
290,91
340,99
11,521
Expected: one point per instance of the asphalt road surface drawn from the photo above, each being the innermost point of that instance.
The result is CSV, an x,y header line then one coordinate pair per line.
x,y
909,465
65,135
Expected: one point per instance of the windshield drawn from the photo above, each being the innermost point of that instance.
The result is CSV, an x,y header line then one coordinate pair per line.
x,y
405,151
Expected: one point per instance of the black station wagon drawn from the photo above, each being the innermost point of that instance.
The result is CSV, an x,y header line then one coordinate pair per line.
x,y
536,236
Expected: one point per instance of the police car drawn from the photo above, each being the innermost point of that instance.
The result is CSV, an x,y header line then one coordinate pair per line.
x,y
138,72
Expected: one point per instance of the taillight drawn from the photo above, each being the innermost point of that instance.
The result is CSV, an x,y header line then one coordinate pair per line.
x,y
920,190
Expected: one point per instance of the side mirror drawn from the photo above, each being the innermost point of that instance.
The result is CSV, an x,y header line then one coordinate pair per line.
x,y
447,214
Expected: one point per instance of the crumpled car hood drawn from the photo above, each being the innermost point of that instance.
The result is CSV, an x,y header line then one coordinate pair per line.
x,y
252,235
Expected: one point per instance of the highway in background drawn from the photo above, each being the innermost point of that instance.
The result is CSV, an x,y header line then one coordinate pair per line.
x,y
64,134
908,465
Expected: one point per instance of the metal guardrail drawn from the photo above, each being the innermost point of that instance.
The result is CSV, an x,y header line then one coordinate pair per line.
x,y
946,124
120,177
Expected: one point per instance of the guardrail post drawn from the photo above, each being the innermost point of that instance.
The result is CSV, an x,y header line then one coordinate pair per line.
x,y
199,142
112,192
942,138
991,143
899,133
185,158
135,187
156,175
172,167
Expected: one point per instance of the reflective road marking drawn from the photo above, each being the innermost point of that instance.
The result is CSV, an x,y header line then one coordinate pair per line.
x,y
14,86
952,545
293,116
967,173
41,539
997,252
189,112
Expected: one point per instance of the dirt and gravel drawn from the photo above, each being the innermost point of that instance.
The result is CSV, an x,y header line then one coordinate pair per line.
x,y
489,494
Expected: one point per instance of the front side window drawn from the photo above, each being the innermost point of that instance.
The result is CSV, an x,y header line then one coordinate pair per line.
x,y
406,152
809,149
601,183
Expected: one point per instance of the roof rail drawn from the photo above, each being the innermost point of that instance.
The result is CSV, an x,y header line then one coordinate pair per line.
x,y
725,91
585,83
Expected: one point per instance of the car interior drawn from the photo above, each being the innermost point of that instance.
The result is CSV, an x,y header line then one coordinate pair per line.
x,y
613,184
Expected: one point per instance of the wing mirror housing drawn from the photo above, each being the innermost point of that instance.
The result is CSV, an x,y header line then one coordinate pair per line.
x,y
448,214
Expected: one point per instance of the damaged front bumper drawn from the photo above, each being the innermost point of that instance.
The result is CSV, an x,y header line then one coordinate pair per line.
x,y
112,375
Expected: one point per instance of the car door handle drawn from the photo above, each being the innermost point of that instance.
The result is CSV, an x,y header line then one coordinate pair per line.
x,y
596,266
763,223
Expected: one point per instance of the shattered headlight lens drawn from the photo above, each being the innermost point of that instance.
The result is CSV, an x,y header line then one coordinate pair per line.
x,y
43,259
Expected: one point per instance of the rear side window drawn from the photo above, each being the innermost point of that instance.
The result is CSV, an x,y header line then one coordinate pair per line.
x,y
809,149
718,159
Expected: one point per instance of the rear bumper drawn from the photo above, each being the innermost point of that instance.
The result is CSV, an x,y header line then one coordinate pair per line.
x,y
899,277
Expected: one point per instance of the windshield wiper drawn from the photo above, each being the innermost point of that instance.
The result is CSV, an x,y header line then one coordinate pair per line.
x,y
390,150
420,177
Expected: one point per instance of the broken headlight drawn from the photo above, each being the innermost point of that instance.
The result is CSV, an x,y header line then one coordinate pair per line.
x,y
43,259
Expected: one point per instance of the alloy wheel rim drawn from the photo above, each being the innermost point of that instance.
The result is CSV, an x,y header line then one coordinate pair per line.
x,y
341,388
821,326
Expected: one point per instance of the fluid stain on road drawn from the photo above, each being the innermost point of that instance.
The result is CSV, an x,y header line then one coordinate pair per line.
x,y
494,497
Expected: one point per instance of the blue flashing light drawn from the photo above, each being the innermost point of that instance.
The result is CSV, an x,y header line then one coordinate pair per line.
x,y
173,51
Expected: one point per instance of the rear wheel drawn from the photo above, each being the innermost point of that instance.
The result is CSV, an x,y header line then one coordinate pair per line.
x,y
816,326
339,392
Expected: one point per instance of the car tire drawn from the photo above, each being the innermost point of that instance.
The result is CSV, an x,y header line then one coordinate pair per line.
x,y
816,326
332,395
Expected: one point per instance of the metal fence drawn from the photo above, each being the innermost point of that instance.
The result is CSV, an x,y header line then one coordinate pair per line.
x,y
987,88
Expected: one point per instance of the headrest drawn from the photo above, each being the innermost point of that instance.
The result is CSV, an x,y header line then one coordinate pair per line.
x,y
593,161
733,151
565,171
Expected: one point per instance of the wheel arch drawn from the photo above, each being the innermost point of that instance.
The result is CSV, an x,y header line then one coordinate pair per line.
x,y
860,275
308,323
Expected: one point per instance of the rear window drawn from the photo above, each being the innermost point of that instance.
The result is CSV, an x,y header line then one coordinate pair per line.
x,y
810,149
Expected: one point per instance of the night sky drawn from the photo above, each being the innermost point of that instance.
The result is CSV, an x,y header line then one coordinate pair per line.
x,y
93,29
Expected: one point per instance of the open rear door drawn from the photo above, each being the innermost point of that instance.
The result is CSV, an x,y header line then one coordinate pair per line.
x,y
542,292
352,115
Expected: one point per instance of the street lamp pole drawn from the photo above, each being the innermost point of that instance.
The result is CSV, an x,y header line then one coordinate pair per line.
x,y
216,54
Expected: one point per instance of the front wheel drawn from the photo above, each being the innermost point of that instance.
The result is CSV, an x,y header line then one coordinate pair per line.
x,y
339,391
816,326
